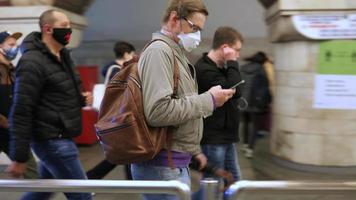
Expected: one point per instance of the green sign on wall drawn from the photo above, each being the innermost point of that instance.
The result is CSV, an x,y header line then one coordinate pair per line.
x,y
337,57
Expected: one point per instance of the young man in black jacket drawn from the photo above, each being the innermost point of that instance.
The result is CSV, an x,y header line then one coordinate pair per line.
x,y
220,67
46,110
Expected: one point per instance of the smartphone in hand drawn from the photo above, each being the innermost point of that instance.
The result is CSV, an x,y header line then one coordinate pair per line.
x,y
237,84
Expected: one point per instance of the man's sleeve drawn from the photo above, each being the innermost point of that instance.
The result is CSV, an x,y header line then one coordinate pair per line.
x,y
156,73
28,84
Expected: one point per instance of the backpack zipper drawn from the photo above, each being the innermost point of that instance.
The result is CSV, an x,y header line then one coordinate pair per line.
x,y
115,128
118,82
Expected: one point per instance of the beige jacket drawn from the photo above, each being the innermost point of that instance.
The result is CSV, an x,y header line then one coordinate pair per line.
x,y
156,67
269,69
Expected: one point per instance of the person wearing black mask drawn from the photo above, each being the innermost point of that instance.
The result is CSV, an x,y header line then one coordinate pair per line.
x,y
8,52
46,111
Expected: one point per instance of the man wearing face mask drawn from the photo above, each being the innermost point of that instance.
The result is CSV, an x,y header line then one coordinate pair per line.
x,y
220,66
181,26
8,52
46,111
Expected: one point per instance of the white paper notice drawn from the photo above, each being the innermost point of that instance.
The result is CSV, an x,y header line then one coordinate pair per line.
x,y
335,92
326,26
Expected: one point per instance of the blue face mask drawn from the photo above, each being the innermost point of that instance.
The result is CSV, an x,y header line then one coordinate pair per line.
x,y
11,53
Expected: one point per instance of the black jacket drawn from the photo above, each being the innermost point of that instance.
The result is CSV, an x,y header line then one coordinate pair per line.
x,y
222,127
47,100
252,72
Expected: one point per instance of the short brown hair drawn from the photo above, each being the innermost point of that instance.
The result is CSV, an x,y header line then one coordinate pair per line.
x,y
184,8
226,35
47,17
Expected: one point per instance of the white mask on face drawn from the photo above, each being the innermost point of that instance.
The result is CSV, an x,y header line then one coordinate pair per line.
x,y
189,41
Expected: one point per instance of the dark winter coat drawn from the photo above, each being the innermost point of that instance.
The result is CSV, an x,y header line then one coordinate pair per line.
x,y
47,100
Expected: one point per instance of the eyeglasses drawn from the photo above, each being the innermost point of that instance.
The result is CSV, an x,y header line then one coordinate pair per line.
x,y
194,27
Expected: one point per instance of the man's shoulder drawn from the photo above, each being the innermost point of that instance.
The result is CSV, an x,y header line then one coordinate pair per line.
x,y
33,60
34,56
159,46
204,64
157,50
201,61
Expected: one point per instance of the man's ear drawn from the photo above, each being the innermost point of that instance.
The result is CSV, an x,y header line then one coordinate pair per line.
x,y
174,16
47,29
222,47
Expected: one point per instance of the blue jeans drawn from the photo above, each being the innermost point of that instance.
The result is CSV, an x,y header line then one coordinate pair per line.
x,y
160,173
59,160
223,156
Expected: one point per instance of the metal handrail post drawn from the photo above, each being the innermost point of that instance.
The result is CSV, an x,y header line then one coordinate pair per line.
x,y
99,186
210,189
329,187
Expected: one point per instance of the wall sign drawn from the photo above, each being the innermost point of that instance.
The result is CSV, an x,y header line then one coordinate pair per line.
x,y
326,26
335,80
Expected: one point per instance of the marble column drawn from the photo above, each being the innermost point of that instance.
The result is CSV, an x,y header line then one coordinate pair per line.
x,y
22,15
301,133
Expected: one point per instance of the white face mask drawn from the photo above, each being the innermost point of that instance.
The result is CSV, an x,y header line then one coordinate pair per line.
x,y
189,41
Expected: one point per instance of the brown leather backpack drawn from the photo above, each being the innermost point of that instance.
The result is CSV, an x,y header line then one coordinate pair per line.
x,y
122,129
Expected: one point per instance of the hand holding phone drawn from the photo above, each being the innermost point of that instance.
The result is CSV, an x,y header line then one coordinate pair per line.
x,y
221,95
237,84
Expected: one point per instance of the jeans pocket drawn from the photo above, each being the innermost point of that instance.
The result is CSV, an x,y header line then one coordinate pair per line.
x,y
167,173
61,148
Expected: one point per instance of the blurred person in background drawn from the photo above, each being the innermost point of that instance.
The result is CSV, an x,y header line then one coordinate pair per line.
x,y
258,95
8,51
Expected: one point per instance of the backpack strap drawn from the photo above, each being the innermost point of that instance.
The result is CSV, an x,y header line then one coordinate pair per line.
x,y
176,74
176,77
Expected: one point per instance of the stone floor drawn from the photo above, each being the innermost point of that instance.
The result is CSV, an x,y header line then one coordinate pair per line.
x,y
261,167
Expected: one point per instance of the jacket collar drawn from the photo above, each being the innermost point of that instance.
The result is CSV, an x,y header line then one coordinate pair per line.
x,y
208,60
177,48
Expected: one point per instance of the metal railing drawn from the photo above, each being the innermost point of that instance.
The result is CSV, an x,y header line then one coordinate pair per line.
x,y
210,189
176,188
98,186
307,187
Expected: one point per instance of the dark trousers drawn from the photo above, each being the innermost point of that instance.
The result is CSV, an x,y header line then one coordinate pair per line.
x,y
251,123
59,160
104,168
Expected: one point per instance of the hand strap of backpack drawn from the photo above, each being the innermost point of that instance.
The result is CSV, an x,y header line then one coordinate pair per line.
x,y
109,72
176,77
